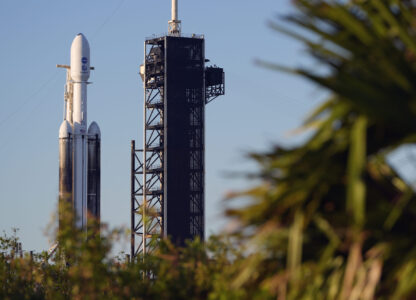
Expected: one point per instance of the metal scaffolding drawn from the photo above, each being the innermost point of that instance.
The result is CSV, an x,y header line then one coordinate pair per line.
x,y
167,175
148,178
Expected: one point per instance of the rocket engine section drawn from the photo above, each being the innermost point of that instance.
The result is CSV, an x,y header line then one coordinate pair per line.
x,y
79,149
94,172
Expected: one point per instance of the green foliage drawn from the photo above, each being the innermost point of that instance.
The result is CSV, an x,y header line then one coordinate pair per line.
x,y
82,269
332,217
331,220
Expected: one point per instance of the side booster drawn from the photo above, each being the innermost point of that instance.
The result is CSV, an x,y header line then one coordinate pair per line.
x,y
79,148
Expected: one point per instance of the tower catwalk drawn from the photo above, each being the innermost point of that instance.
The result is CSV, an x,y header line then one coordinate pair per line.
x,y
168,174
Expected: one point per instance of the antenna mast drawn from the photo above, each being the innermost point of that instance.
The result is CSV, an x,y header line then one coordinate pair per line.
x,y
175,24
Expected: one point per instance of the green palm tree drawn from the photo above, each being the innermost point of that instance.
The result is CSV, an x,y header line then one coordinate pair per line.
x,y
332,220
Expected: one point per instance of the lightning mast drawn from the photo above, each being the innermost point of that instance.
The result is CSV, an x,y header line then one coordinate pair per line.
x,y
174,23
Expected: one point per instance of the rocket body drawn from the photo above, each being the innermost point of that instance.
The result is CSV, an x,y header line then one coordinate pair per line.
x,y
80,72
78,143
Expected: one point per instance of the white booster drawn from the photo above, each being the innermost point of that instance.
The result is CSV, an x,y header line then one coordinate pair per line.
x,y
76,116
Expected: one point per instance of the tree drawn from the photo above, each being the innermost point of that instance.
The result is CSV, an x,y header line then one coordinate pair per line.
x,y
332,220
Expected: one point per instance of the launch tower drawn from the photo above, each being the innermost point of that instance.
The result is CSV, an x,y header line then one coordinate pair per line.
x,y
167,174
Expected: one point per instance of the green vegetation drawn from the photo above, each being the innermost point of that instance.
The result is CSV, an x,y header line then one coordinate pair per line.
x,y
82,269
331,219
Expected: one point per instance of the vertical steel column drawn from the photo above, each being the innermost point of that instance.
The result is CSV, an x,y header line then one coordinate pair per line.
x,y
144,182
133,210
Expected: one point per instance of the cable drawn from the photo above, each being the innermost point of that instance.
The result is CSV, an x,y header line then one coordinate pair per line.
x,y
107,19
22,124
28,99
45,84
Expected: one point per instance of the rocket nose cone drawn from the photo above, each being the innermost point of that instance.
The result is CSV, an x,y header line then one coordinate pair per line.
x,y
94,129
80,38
80,58
65,130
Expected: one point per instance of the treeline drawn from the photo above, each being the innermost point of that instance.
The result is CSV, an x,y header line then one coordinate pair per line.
x,y
331,218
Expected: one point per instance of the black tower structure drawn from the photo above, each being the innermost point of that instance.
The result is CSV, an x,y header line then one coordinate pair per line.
x,y
168,174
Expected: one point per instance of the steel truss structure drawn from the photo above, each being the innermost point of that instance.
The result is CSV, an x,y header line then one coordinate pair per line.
x,y
167,175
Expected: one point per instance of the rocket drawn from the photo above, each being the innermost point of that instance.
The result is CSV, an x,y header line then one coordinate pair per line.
x,y
79,147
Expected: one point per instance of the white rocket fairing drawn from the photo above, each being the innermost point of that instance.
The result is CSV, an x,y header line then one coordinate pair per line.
x,y
79,148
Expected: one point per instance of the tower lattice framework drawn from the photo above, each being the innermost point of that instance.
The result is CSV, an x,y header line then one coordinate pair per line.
x,y
167,175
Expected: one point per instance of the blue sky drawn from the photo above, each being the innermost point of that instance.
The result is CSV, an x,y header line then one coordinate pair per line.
x,y
259,109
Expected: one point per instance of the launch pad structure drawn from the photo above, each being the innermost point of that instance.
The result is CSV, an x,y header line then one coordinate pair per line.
x,y
168,173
